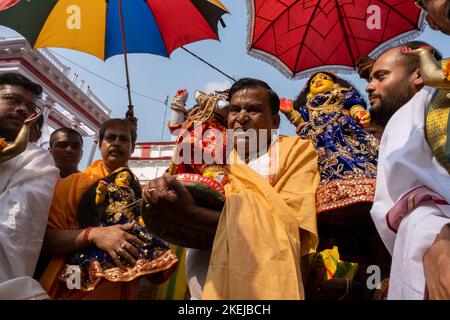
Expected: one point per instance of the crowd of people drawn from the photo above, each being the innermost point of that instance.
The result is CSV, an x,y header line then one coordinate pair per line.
x,y
281,217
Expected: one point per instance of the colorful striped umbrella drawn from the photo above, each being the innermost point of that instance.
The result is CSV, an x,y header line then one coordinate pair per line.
x,y
105,28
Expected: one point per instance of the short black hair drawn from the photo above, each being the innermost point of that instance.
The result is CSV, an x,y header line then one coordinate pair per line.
x,y
117,122
16,79
412,62
65,130
254,83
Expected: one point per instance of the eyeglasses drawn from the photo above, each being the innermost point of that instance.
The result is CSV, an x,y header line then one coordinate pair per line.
x,y
15,100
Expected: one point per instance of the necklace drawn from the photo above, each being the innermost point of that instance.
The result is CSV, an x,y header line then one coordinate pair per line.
x,y
334,103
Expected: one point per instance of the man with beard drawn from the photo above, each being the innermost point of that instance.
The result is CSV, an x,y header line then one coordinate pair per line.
x,y
66,147
411,208
26,186
64,236
397,79
394,80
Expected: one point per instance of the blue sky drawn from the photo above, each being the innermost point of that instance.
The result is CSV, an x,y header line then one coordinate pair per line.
x,y
158,77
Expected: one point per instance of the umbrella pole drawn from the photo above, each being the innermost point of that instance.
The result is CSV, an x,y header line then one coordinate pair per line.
x,y
209,64
130,113
166,102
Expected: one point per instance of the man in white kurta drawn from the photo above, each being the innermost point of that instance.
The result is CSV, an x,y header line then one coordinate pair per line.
x,y
405,163
26,189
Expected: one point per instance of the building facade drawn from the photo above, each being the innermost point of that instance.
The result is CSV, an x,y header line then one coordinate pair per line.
x,y
67,101
151,159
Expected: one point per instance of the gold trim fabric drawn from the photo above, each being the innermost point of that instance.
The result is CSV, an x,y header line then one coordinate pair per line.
x,y
437,127
339,193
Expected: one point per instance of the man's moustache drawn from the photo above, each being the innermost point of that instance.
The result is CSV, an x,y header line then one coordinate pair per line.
x,y
119,151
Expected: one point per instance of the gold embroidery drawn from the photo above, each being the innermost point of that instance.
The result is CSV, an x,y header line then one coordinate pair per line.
x,y
437,126
115,274
340,193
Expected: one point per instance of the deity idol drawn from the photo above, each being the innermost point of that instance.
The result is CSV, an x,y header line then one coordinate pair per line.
x,y
330,113
334,117
115,200
200,131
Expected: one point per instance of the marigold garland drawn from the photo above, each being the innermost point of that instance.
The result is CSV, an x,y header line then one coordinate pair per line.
x,y
3,144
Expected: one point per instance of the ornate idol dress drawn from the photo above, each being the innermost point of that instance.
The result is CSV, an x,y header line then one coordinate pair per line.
x,y
347,153
333,114
115,200
197,163
437,113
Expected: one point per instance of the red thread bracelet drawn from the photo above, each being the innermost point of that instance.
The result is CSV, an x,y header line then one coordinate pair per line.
x,y
85,239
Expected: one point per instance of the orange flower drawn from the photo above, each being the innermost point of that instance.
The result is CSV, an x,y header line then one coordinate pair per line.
x,y
446,69
3,144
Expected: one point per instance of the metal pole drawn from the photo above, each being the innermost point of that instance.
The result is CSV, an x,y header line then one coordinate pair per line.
x,y
209,64
93,149
124,45
164,121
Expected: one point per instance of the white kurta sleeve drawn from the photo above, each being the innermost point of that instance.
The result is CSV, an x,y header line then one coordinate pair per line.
x,y
26,189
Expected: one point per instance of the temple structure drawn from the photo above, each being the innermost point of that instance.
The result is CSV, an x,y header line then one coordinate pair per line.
x,y
67,101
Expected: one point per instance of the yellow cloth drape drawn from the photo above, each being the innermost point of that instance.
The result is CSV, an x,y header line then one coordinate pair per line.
x,y
68,193
265,228
175,288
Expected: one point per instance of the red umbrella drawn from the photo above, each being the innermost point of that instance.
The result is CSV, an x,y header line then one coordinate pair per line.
x,y
299,37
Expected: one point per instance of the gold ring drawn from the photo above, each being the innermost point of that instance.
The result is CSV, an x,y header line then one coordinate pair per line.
x,y
123,245
148,205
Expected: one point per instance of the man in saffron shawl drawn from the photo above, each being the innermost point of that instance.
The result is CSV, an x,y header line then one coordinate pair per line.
x,y
268,221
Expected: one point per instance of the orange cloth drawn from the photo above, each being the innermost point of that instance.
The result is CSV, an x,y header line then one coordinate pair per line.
x,y
68,193
265,227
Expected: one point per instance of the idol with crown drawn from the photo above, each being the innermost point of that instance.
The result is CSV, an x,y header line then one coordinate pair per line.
x,y
113,200
197,162
334,116
330,113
